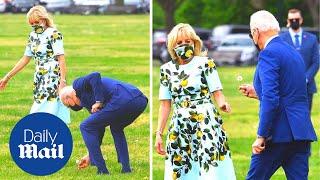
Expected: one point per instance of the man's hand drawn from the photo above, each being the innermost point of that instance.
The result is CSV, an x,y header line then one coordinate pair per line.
x,y
259,145
84,162
248,90
96,107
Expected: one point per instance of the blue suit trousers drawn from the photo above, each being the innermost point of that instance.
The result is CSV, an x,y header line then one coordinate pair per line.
x,y
292,157
93,128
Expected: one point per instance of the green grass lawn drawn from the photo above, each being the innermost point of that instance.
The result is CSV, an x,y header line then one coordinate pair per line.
x,y
241,124
116,46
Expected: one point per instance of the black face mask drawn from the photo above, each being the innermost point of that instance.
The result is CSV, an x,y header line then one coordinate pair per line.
x,y
294,24
76,107
250,35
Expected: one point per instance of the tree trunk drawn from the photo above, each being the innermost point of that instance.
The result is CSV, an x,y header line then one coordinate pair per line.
x,y
119,2
257,4
169,15
313,6
169,7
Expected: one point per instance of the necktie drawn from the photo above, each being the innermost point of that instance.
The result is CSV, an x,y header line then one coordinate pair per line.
x,y
297,43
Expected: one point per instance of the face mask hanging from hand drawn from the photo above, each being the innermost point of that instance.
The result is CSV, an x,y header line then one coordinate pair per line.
x,y
185,52
39,29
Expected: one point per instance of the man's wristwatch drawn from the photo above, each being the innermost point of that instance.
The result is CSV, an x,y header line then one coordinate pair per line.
x,y
258,136
100,103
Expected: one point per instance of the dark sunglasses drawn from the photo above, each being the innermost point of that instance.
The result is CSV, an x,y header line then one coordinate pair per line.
x,y
294,19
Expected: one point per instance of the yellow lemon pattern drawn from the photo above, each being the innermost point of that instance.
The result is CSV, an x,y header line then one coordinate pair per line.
x,y
200,117
39,30
199,134
174,175
186,103
177,158
184,83
211,64
189,53
173,136
55,35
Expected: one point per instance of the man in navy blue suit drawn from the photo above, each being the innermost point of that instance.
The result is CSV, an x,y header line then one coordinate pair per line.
x,y
307,45
285,130
110,103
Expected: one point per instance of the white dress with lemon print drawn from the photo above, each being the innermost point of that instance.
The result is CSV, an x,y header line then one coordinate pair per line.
x,y
44,48
196,146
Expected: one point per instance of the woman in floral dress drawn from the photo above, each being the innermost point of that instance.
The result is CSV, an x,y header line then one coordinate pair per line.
x,y
45,45
196,145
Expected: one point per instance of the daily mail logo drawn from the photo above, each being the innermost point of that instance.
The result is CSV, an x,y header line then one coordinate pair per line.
x,y
40,144
32,151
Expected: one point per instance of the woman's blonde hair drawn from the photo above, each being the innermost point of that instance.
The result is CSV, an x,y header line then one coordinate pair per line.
x,y
38,13
187,31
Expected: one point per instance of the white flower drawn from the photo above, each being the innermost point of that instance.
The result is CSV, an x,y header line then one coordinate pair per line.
x,y
239,78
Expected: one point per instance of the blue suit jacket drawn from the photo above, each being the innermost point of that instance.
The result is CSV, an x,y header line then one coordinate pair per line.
x,y
112,93
309,51
280,84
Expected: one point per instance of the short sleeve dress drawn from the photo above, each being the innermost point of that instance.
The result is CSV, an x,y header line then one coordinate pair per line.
x,y
44,48
196,145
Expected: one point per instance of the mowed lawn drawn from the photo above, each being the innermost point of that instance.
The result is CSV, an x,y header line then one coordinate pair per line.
x,y
116,46
241,124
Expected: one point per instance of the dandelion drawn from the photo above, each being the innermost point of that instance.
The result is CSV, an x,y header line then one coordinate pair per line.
x,y
239,78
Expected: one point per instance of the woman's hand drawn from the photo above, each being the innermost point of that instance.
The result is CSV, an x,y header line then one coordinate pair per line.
x,y
18,67
225,107
164,111
3,83
158,144
221,101
96,107
63,71
62,84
